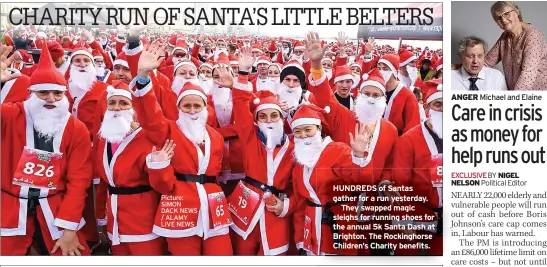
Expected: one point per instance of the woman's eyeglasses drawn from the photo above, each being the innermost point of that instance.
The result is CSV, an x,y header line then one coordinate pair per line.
x,y
372,95
506,15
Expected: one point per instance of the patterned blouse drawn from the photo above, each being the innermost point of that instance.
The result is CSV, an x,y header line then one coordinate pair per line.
x,y
524,64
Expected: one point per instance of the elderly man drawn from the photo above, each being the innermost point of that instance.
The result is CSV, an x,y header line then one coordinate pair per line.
x,y
473,75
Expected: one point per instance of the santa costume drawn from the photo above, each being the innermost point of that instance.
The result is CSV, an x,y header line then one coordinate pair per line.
x,y
15,90
199,223
314,177
418,164
413,79
402,107
46,168
120,162
268,165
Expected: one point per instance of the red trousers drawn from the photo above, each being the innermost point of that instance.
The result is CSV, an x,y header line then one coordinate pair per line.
x,y
156,247
20,245
250,247
197,246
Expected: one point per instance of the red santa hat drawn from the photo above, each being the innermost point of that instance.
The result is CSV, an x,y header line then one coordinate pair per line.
x,y
184,63
358,64
310,114
121,59
327,59
118,88
180,45
233,60
265,100
392,61
46,77
406,57
342,73
191,89
25,57
299,45
80,50
272,48
222,59
433,90
374,78
55,49
172,40
9,40
439,64
257,48
103,31
97,54
264,59
208,64
279,66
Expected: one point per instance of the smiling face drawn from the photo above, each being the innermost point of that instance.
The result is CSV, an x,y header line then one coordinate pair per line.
x,y
507,17
473,59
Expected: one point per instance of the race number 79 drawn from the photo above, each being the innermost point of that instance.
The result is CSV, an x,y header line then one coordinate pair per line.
x,y
29,169
242,202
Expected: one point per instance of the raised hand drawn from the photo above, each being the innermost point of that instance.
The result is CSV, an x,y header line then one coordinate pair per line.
x,y
341,39
370,45
151,59
359,142
87,36
5,62
245,59
135,30
166,153
225,79
315,52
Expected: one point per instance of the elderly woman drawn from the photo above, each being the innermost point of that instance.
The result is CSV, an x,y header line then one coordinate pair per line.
x,y
521,48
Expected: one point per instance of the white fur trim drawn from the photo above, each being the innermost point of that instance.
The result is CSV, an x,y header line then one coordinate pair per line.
x,y
97,57
179,48
343,77
206,65
373,83
262,61
383,60
66,224
266,106
234,62
191,92
156,165
47,87
143,91
244,86
305,121
257,49
111,91
285,208
81,52
184,63
299,47
121,62
295,65
356,65
434,96
407,61
327,59
134,51
439,67
134,238
361,162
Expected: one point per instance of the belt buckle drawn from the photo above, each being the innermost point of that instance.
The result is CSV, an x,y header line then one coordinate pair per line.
x,y
282,196
201,178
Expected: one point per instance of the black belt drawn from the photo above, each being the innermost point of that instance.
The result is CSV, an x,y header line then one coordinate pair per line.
x,y
264,187
201,178
13,195
128,190
327,217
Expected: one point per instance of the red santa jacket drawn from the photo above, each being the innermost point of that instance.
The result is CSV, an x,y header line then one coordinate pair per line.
x,y
414,166
188,159
85,107
15,90
61,207
29,71
268,167
335,167
402,109
225,125
127,168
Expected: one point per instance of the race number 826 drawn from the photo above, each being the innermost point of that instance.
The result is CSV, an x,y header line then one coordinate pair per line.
x,y
29,169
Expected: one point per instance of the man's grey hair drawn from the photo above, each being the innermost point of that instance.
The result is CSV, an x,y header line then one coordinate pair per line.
x,y
471,41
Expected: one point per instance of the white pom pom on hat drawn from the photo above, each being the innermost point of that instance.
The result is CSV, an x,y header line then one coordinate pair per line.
x,y
256,101
327,109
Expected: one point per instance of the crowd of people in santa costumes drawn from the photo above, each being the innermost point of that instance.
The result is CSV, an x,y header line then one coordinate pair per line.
x,y
170,144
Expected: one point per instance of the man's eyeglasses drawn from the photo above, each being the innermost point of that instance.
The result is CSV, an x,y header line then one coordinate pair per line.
x,y
180,55
505,15
372,95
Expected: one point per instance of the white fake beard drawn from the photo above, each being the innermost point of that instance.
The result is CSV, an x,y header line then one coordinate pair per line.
x,y
180,81
386,74
299,58
351,59
291,95
100,70
47,121
273,132
356,80
81,81
193,126
436,119
220,95
116,125
177,60
369,110
271,84
412,74
308,150
206,83
328,72
286,50
103,41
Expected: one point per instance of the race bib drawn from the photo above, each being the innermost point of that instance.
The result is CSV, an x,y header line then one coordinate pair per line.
x,y
242,203
437,176
218,210
307,233
38,169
